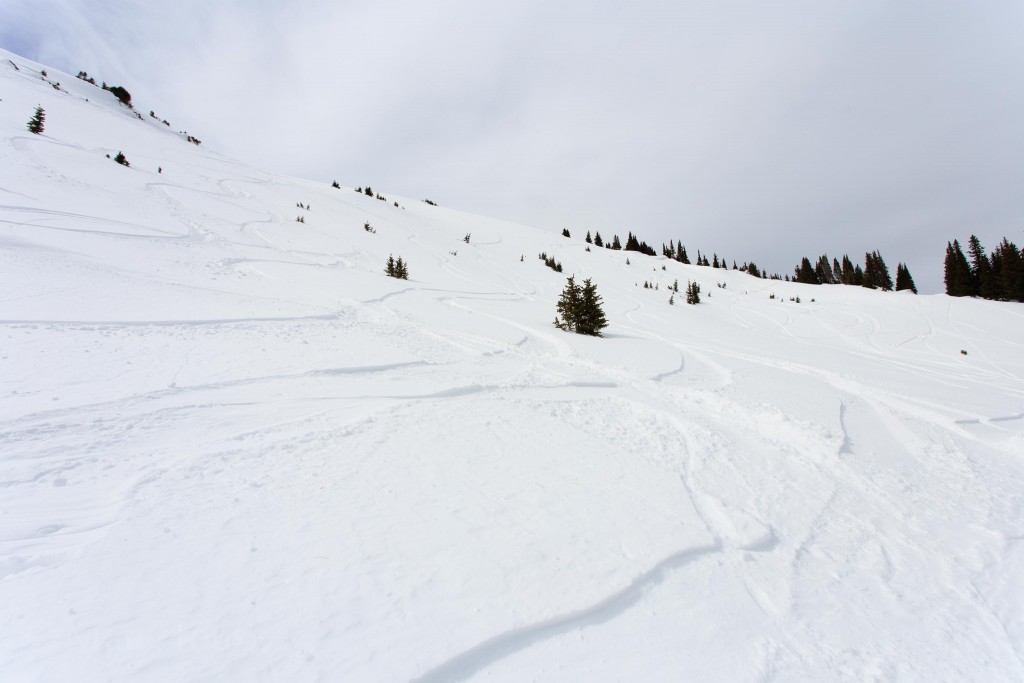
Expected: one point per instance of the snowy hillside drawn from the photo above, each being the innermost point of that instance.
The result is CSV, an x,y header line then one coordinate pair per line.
x,y
231,448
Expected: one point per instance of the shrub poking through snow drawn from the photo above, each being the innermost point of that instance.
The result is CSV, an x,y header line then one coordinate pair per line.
x,y
121,159
550,262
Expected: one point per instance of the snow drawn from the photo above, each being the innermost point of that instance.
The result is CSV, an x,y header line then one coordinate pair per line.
x,y
232,449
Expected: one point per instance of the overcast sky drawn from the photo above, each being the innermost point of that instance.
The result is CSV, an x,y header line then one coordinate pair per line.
x,y
759,130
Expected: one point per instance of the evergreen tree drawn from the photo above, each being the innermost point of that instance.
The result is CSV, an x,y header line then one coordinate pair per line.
x,y
580,309
823,270
589,239
1011,271
869,272
982,282
904,280
848,277
397,268
121,159
692,293
616,245
565,232
681,254
35,124
805,273
880,277
957,271
591,319
598,242
714,261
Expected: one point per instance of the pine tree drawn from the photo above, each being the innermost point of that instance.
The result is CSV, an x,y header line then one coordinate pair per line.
x,y
35,124
692,293
1011,271
390,268
565,232
580,309
616,245
805,273
904,280
598,242
880,277
869,272
589,239
121,159
567,306
957,271
982,282
848,277
823,270
591,319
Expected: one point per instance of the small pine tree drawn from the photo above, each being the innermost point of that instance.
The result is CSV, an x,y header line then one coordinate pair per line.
x,y
121,159
580,309
565,232
589,239
35,124
397,268
335,185
692,293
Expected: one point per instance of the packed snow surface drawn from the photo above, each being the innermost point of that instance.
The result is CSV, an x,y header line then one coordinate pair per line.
x,y
231,448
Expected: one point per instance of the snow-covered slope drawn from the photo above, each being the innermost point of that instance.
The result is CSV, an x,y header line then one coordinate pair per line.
x,y
232,449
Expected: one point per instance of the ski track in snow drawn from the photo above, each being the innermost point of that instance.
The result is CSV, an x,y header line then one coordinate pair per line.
x,y
235,421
